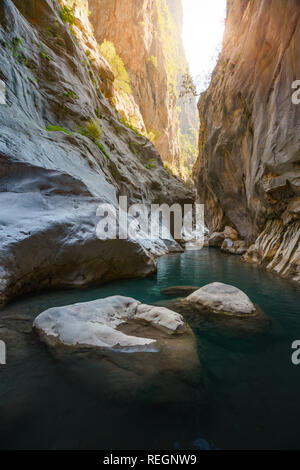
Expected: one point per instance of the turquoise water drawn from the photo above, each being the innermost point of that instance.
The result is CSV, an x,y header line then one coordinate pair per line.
x,y
253,387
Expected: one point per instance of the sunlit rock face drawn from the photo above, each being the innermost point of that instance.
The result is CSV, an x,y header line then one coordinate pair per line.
x,y
136,30
51,182
248,170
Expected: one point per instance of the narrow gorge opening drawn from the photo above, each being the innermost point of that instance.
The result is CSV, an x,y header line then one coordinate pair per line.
x,y
203,30
203,27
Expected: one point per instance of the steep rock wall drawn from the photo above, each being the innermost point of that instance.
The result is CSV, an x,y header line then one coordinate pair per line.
x,y
52,179
278,249
153,53
248,170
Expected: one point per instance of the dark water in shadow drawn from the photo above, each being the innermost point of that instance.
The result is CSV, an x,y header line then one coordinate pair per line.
x,y
253,387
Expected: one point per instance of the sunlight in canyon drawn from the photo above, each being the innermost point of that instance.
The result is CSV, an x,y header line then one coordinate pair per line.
x,y
203,28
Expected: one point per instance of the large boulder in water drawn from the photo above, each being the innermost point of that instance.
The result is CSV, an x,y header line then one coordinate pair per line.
x,y
135,351
223,305
219,298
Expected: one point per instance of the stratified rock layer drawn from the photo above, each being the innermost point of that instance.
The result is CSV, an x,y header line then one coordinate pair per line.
x,y
248,170
278,249
51,182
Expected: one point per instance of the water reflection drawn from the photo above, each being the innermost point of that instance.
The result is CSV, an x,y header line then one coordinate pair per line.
x,y
253,387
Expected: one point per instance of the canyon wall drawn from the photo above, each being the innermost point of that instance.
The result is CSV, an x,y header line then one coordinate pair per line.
x,y
248,170
64,150
147,37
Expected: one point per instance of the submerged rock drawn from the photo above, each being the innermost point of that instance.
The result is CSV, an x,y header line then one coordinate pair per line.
x,y
134,348
179,290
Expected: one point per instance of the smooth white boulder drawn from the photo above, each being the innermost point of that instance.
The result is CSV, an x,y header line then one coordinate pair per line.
x,y
126,349
96,324
222,299
161,317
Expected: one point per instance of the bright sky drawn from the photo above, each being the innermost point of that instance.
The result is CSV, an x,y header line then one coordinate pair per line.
x,y
203,27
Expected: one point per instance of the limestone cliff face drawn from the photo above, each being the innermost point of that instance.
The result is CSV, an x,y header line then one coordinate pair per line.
x,y
147,36
277,249
63,151
248,170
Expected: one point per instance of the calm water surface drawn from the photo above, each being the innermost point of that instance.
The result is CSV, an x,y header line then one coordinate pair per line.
x,y
252,385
